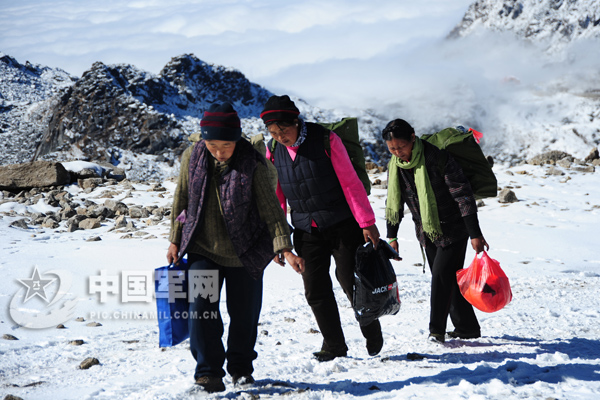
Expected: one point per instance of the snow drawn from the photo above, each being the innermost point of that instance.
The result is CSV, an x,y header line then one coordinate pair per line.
x,y
544,344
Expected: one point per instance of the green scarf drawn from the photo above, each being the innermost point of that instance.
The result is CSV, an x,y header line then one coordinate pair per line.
x,y
427,203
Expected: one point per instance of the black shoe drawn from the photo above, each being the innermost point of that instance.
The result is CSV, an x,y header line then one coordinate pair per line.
x,y
464,335
241,380
374,346
211,384
438,338
325,355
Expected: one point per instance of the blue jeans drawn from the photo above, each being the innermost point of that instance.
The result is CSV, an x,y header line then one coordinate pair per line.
x,y
244,301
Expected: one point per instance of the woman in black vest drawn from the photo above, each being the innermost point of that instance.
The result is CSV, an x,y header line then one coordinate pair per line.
x,y
330,213
444,211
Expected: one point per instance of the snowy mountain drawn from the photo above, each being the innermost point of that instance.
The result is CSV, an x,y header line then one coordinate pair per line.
x,y
24,90
114,112
539,90
555,22
121,107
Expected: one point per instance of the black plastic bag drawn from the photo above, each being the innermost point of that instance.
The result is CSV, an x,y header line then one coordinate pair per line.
x,y
375,286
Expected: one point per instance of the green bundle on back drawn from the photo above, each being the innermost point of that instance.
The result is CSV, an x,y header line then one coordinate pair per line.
x,y
466,151
347,130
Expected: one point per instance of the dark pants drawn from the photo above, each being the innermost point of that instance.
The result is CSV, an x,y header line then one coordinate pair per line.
x,y
244,300
445,294
317,247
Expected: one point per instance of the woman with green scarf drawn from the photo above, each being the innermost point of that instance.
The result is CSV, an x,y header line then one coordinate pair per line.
x,y
444,211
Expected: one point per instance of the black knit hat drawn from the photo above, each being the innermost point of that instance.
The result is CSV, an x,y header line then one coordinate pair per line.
x,y
221,122
279,108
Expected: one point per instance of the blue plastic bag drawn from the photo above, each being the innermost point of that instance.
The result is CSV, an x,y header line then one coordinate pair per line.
x,y
172,305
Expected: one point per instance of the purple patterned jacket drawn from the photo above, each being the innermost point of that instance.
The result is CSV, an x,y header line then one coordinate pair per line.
x,y
248,233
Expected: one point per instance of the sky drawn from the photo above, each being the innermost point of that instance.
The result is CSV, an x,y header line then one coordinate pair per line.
x,y
389,58
313,49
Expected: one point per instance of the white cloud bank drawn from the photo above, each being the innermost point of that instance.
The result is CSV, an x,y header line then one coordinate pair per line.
x,y
385,55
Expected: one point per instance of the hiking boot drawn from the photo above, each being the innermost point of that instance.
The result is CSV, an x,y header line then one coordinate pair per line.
x,y
374,346
464,335
325,355
437,338
211,384
241,380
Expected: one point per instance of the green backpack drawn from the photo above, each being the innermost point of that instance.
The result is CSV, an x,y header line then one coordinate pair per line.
x,y
465,149
347,130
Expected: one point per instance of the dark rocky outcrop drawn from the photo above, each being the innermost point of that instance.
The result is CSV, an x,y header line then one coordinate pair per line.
x,y
122,107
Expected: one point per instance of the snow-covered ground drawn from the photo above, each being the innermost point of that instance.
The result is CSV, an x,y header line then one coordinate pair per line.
x,y
545,344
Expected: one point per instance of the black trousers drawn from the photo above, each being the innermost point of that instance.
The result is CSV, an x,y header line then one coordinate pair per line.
x,y
317,247
244,301
446,298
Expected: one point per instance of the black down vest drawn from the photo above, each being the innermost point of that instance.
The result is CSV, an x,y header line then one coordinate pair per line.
x,y
310,184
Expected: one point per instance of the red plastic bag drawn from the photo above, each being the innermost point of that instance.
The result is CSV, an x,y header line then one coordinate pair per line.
x,y
484,284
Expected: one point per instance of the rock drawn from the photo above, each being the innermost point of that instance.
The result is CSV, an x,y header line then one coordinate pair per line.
x,y
550,157
12,397
75,220
87,173
93,324
61,326
33,174
593,155
93,239
554,171
88,363
117,174
89,223
80,319
565,162
157,188
138,212
20,223
120,222
50,222
77,342
8,336
100,211
507,196
89,183
119,208
583,168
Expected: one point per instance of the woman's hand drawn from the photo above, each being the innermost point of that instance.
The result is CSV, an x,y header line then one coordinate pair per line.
x,y
394,245
479,244
296,262
371,233
173,253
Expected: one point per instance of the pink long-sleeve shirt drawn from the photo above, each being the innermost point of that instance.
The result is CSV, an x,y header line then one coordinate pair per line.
x,y
354,191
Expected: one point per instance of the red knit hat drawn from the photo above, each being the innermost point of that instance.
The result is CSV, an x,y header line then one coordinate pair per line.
x,y
221,122
279,108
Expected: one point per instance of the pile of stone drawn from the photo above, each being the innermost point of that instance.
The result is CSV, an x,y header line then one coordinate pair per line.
x,y
46,182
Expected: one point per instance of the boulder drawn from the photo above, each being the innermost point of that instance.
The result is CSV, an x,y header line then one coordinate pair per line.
x,y
507,196
89,223
33,175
